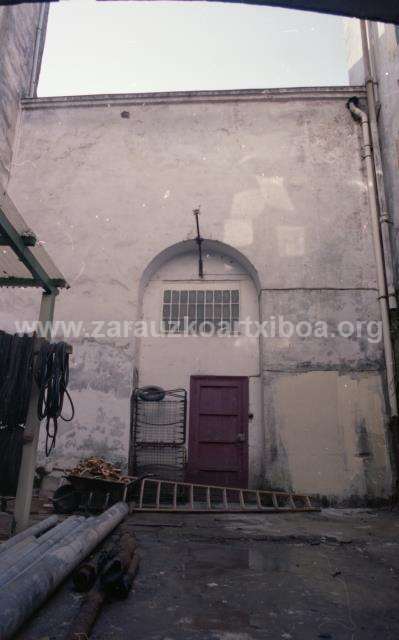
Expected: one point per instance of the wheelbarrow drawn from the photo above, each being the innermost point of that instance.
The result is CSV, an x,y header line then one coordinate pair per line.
x,y
92,494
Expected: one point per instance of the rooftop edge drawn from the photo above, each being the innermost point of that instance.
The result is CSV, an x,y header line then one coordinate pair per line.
x,y
176,97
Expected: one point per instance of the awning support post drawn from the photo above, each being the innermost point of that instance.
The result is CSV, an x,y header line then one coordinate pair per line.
x,y
23,499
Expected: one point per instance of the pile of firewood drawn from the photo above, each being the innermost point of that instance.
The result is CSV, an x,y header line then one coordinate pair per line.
x,y
100,469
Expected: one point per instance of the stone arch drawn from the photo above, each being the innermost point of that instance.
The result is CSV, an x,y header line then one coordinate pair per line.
x,y
189,246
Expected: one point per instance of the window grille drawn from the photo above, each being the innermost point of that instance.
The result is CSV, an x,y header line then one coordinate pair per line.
x,y
201,310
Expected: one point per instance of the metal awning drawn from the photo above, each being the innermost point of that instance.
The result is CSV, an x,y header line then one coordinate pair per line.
x,y
23,260
25,263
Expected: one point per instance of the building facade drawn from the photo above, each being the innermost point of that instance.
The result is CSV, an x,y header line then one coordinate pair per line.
x,y
110,184
19,27
383,44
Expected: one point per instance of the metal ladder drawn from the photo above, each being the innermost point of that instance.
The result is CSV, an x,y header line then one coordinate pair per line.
x,y
156,495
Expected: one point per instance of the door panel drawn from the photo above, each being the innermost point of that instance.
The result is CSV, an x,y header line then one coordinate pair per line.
x,y
218,433
217,428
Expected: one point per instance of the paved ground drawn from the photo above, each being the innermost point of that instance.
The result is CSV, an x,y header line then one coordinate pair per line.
x,y
330,575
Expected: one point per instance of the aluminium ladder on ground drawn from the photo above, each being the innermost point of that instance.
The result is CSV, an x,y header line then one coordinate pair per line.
x,y
167,496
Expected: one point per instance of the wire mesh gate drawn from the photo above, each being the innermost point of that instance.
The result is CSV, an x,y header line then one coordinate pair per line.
x,y
158,434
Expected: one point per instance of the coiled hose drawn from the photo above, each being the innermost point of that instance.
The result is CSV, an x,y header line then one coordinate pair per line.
x,y
52,377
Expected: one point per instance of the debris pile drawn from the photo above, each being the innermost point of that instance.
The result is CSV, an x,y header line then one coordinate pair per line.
x,y
99,469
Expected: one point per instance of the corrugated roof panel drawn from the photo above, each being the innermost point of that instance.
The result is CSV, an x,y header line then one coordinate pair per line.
x,y
13,271
13,215
11,266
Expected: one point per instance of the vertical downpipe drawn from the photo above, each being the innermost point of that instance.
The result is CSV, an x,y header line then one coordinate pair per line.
x,y
367,31
362,117
384,216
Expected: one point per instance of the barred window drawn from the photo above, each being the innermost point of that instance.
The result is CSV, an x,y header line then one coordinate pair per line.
x,y
201,310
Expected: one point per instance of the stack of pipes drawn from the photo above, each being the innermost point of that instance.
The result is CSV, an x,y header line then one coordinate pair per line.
x,y
35,562
107,576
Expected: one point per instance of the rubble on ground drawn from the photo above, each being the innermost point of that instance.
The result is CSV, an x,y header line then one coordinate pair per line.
x,y
100,469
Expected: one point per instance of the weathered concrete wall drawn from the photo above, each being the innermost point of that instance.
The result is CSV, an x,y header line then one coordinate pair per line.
x,y
18,27
326,432
109,183
386,56
384,50
324,405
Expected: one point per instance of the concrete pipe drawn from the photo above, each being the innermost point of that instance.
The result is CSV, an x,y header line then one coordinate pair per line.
x,y
34,531
18,551
31,589
15,564
28,564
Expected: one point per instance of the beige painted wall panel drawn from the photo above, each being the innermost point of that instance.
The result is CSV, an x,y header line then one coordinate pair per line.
x,y
331,433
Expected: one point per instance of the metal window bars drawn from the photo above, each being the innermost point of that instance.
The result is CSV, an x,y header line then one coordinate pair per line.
x,y
206,310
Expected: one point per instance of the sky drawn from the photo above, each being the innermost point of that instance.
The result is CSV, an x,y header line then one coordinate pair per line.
x,y
129,47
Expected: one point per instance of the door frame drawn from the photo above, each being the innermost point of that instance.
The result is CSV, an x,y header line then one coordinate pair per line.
x,y
245,422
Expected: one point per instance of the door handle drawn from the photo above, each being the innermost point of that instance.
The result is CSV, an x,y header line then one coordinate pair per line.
x,y
240,437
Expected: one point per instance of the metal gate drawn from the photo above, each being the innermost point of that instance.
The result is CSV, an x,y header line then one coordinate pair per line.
x,y
158,434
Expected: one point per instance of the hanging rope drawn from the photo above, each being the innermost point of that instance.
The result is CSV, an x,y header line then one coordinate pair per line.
x,y
52,377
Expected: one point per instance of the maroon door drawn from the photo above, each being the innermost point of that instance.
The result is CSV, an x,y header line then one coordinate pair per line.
x,y
218,431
